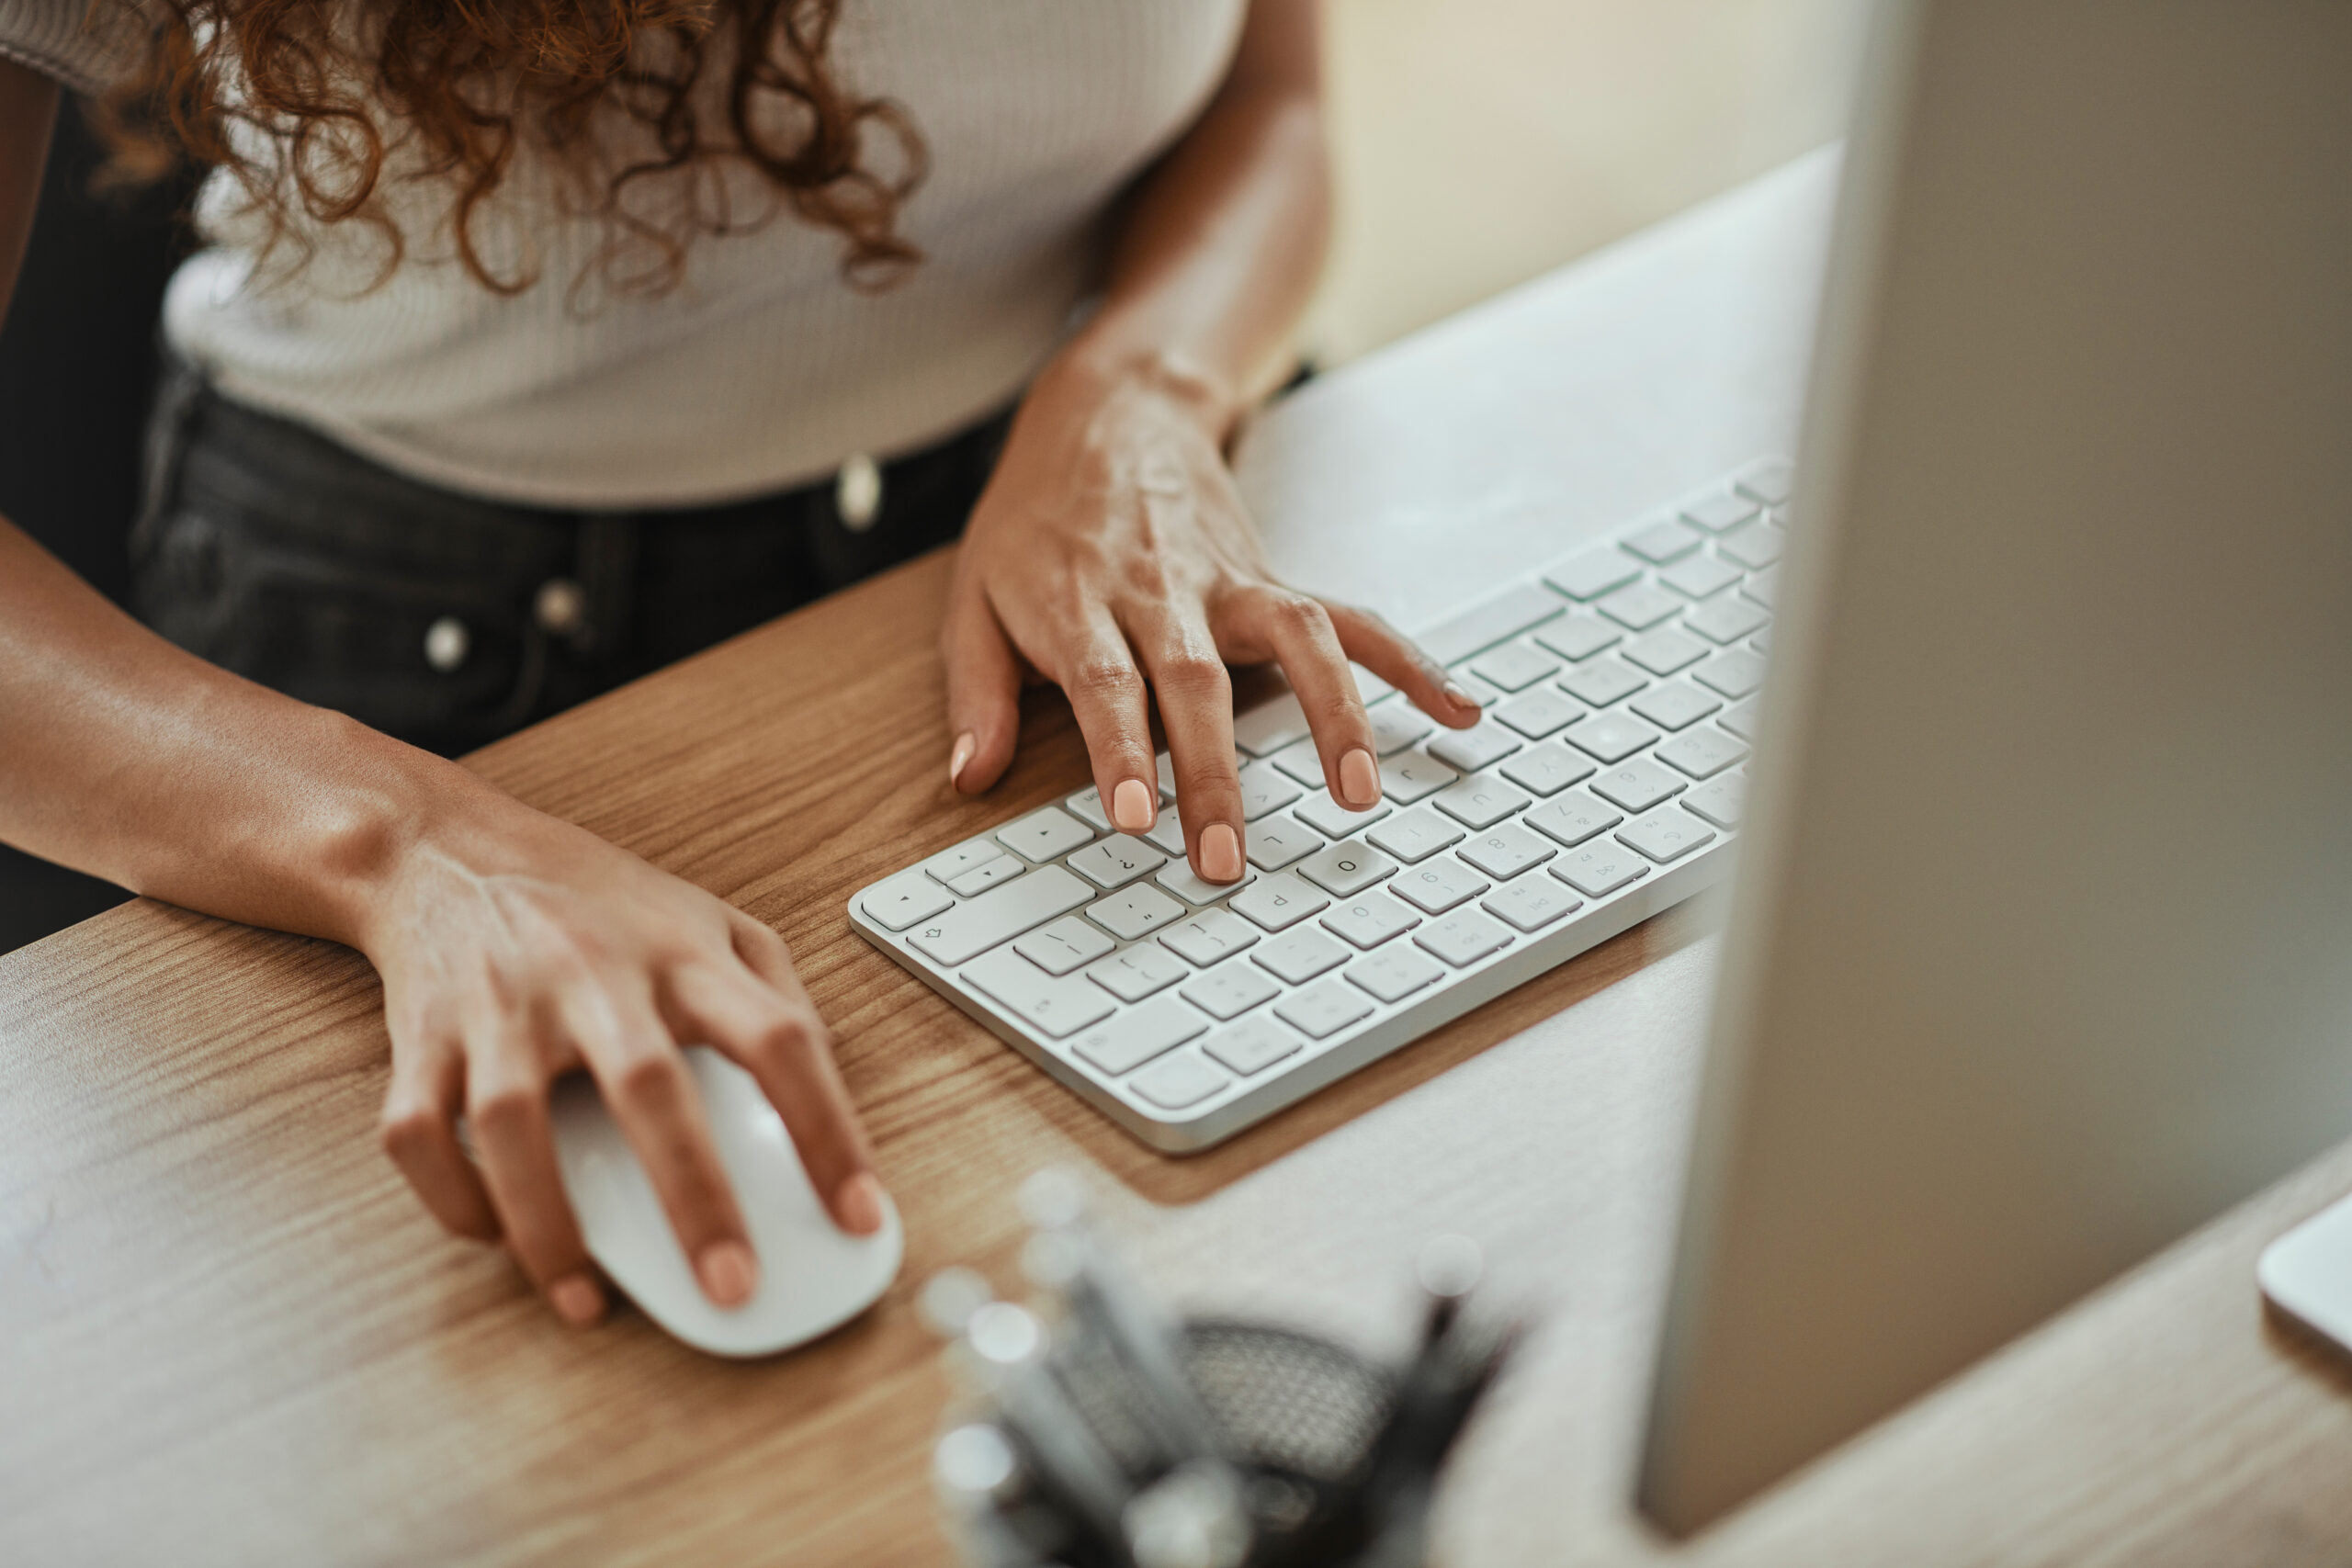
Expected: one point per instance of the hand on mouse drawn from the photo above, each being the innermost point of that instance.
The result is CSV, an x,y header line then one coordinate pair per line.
x,y
1112,554
515,947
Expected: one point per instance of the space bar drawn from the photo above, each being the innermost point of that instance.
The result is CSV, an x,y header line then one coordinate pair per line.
x,y
998,915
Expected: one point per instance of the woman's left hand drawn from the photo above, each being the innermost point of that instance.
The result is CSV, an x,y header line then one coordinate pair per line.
x,y
1111,554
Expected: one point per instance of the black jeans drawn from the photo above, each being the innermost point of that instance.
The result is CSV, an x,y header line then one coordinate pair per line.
x,y
448,621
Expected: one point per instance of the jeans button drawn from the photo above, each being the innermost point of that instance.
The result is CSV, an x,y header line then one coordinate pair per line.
x,y
559,607
857,493
447,643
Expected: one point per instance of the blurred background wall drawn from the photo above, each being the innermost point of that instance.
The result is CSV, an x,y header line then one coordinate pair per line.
x,y
1479,144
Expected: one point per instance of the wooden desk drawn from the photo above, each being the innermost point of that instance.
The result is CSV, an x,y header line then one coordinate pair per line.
x,y
228,1334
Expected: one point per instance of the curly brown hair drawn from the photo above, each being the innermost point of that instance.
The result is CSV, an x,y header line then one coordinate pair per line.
x,y
307,102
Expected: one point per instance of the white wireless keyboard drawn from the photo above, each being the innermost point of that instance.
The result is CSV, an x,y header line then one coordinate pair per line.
x,y
1602,785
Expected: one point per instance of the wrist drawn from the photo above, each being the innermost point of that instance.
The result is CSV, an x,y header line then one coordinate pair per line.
x,y
1104,360
398,808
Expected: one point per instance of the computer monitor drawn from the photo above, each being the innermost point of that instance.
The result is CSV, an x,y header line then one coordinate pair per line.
x,y
2041,951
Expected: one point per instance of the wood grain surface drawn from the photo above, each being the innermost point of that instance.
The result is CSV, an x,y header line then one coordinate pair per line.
x,y
228,1335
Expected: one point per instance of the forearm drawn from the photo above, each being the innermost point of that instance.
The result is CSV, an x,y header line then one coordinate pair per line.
x,y
1222,245
128,758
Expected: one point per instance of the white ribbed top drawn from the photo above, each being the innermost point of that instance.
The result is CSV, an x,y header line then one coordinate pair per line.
x,y
764,368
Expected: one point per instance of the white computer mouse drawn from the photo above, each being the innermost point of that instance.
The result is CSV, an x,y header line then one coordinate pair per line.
x,y
813,1275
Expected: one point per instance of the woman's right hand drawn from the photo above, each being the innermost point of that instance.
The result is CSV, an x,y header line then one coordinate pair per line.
x,y
513,948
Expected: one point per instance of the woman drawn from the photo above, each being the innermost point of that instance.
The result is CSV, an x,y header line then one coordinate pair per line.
x,y
538,341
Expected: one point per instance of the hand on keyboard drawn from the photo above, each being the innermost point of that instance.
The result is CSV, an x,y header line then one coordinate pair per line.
x,y
1112,554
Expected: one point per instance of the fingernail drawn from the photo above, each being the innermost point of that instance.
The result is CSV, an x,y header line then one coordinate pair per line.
x,y
729,1274
577,1300
1220,855
965,746
1131,806
1458,697
861,1203
1358,779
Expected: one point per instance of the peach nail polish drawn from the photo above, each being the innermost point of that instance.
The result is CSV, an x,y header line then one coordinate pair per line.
x,y
1459,697
965,746
1360,779
576,1300
1131,806
728,1273
1220,853
861,1203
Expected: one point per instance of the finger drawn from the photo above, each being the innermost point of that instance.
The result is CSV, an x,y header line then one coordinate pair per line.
x,y
420,1136
650,1092
1299,631
506,1102
1397,659
983,693
779,1040
1196,697
1106,694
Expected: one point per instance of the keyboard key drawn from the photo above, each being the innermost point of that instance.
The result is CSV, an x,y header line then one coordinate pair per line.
x,y
1134,912
1668,539
1409,775
1043,835
1573,819
1333,820
1741,720
1264,789
1664,652
1503,852
1530,905
1735,674
1579,637
1479,802
1302,761
1602,683
1721,512
1415,835
1538,713
1324,1009
1768,480
1088,805
1268,727
1719,800
1298,957
1608,736
1762,642
971,854
1179,877
1667,836
1369,921
1514,610
1641,606
988,874
1054,1008
1395,725
1177,1082
1763,586
1061,947
1591,573
1703,753
1115,862
1636,785
1547,770
1675,706
1278,841
900,901
1513,666
1700,576
1369,688
1727,620
1208,937
1230,991
1137,972
1137,1036
1167,777
1602,867
1252,1046
1436,886
1462,938
1397,974
1481,694
1754,547
1022,905
1167,833
1278,902
1347,868
1471,750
